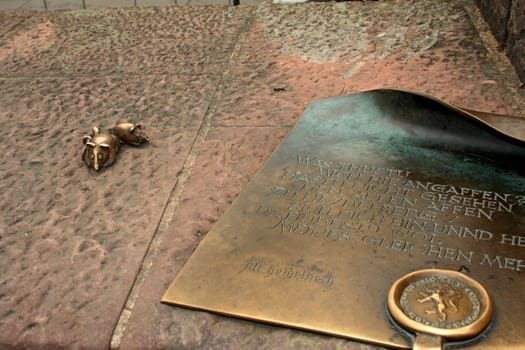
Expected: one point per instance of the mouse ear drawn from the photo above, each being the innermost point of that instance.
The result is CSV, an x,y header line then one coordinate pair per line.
x,y
105,145
86,139
132,129
139,126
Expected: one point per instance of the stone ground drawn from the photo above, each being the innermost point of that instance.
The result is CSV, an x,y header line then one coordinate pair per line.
x,y
86,256
86,4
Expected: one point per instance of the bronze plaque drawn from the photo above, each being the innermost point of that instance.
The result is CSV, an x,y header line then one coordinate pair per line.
x,y
364,190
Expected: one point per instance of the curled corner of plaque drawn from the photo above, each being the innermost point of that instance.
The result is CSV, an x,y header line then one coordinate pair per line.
x,y
508,126
427,122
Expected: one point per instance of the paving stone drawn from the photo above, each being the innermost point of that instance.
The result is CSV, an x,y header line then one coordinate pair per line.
x,y
299,53
11,4
112,3
9,20
205,2
72,240
516,37
33,5
496,12
506,19
156,2
64,4
228,159
152,40
253,2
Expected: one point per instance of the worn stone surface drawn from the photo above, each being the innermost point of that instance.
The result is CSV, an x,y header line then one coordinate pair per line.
x,y
506,19
496,12
296,54
149,40
9,20
516,37
72,241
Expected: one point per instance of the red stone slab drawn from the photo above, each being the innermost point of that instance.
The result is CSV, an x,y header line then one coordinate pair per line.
x,y
295,54
516,39
9,19
72,240
121,41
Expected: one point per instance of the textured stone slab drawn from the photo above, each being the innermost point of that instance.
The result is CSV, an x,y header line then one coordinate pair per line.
x,y
15,4
228,159
295,54
117,41
516,37
64,4
9,19
112,3
205,2
156,2
72,240
33,5
506,19
497,14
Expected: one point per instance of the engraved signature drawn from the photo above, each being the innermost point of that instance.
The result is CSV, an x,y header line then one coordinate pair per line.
x,y
297,271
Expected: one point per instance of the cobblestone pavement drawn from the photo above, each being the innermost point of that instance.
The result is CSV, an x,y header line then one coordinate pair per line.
x,y
86,4
86,256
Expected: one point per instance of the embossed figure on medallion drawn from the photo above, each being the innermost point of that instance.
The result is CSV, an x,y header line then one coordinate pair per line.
x,y
440,301
444,300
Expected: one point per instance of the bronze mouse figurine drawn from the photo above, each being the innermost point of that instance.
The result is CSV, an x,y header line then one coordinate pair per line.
x,y
101,147
130,133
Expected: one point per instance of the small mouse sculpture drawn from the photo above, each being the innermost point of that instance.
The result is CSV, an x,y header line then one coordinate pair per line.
x,y
101,147
131,133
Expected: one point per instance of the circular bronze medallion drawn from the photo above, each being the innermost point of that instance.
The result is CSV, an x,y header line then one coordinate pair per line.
x,y
440,302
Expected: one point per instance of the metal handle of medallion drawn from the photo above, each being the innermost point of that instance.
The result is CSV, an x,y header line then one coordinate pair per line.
x,y
427,342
